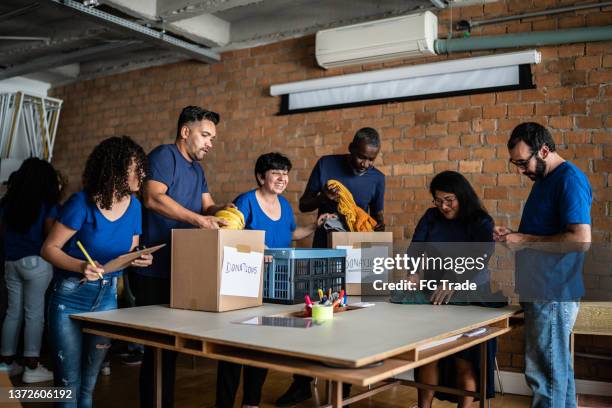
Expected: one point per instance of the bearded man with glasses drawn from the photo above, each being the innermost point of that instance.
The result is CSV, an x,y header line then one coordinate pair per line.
x,y
554,232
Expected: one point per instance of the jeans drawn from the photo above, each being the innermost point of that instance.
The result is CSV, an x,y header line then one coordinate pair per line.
x,y
27,280
154,291
77,356
548,363
228,379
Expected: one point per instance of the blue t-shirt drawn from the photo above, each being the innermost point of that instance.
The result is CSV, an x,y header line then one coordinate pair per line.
x,y
278,233
470,239
368,189
561,198
103,239
186,183
18,245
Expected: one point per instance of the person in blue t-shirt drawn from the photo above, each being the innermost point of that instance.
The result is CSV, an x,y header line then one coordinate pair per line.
x,y
549,281
28,211
366,183
105,217
175,196
264,208
357,172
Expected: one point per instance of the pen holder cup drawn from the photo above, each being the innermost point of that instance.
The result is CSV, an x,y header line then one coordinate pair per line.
x,y
322,313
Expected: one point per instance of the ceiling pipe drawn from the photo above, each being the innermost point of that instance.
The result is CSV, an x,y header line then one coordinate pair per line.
x,y
530,39
441,4
139,31
468,25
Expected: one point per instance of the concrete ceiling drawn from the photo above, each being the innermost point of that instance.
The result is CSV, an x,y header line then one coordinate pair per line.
x,y
81,41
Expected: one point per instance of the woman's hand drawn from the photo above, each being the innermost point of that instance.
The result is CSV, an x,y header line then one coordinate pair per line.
x,y
144,260
500,233
441,296
92,273
323,217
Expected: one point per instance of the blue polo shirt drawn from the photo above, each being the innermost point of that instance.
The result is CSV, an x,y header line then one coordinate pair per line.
x,y
103,239
279,232
18,244
561,198
186,183
368,189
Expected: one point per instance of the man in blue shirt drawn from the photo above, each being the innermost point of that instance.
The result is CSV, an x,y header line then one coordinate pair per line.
x,y
357,172
175,196
366,183
557,219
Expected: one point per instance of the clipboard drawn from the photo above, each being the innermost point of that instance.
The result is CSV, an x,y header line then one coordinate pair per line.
x,y
123,261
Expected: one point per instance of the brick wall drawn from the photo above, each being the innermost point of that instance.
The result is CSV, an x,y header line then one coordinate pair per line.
x,y
466,133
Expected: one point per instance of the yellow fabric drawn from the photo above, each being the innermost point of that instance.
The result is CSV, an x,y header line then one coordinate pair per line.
x,y
356,219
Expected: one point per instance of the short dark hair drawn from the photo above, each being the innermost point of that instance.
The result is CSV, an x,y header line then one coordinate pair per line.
x,y
533,134
191,114
271,161
470,206
368,135
106,170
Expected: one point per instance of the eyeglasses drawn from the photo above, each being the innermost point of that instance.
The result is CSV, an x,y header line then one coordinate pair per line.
x,y
439,202
523,163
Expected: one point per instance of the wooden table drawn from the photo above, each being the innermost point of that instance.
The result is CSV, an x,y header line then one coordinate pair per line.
x,y
343,350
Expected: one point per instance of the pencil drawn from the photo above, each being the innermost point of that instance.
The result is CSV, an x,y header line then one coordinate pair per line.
x,y
91,262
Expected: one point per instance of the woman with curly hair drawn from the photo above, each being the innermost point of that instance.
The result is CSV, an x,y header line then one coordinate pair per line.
x,y
106,218
28,210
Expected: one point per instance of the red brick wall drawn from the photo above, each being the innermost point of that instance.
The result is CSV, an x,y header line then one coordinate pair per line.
x,y
466,133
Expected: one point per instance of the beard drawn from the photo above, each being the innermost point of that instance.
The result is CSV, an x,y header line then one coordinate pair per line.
x,y
540,170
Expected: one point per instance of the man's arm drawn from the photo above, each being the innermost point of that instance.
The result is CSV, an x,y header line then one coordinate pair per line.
x,y
156,199
380,221
377,204
313,200
576,238
209,207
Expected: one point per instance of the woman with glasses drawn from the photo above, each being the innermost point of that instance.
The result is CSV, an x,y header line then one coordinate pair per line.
x,y
457,217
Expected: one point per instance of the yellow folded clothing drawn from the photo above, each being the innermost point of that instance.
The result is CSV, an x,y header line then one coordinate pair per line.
x,y
356,219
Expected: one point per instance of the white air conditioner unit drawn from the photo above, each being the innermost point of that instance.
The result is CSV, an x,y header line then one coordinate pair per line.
x,y
376,41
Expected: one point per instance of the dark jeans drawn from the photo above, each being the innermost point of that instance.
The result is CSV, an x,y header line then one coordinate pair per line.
x,y
228,379
154,291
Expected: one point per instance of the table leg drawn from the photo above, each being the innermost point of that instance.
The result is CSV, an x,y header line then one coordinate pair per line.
x,y
157,376
483,375
336,394
328,392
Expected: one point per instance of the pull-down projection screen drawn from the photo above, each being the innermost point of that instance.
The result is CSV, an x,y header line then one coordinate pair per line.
x,y
466,76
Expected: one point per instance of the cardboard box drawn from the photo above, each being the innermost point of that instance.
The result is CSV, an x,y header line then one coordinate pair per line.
x,y
216,270
361,249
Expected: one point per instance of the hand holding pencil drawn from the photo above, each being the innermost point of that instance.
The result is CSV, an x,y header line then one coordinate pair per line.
x,y
92,270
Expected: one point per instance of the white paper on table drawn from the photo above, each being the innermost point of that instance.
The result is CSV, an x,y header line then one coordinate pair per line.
x,y
439,342
241,272
360,261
